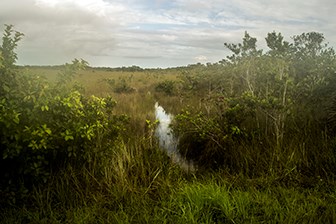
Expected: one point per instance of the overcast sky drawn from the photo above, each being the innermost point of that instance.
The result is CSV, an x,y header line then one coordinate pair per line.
x,y
155,33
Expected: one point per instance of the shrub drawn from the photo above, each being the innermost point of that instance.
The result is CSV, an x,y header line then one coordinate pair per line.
x,y
123,87
45,127
167,87
210,139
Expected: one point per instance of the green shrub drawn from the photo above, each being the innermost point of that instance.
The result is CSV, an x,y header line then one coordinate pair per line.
x,y
210,139
167,87
45,127
42,131
123,87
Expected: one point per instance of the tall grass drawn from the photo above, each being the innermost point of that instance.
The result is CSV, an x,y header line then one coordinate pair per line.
x,y
138,182
213,203
209,200
137,177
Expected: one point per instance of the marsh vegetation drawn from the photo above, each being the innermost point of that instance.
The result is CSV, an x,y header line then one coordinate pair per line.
x,y
81,144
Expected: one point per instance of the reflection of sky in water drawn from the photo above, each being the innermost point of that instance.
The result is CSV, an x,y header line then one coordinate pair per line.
x,y
167,140
163,131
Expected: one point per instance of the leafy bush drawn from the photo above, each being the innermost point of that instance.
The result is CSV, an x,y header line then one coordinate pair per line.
x,y
211,139
45,127
168,87
123,87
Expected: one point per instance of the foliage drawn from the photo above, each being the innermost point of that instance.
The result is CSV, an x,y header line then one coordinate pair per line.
x,y
122,86
242,50
47,127
168,87
213,137
277,94
10,41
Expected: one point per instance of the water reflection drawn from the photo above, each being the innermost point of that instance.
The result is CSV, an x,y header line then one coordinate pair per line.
x,y
167,140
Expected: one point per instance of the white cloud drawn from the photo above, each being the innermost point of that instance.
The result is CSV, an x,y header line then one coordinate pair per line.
x,y
201,58
154,33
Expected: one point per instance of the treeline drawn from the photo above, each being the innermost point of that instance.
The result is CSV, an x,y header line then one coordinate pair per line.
x,y
133,68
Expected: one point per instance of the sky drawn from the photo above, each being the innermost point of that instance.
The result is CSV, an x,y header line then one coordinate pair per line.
x,y
155,33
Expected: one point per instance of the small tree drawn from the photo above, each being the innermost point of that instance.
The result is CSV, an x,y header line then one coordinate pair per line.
x,y
10,41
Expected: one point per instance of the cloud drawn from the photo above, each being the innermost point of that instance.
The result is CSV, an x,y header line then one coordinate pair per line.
x,y
154,33
201,58
64,28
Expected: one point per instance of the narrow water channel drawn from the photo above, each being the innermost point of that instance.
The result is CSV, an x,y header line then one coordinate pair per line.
x,y
167,140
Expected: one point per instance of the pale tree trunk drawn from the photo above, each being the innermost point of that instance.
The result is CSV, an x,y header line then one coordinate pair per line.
x,y
281,116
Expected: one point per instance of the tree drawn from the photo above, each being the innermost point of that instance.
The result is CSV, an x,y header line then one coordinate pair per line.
x,y
10,41
308,45
278,46
245,57
248,48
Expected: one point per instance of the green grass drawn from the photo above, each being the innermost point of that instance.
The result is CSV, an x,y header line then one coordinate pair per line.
x,y
193,201
213,203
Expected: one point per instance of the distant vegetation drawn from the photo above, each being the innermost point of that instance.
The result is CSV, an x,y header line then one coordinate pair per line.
x,y
77,143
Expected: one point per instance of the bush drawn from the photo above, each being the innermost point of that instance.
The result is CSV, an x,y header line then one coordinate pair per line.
x,y
42,131
210,139
123,87
167,87
44,128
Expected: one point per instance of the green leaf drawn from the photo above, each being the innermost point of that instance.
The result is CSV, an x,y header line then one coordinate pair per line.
x,y
45,108
16,119
5,88
68,137
48,131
